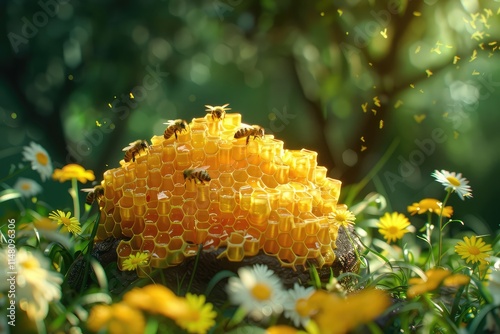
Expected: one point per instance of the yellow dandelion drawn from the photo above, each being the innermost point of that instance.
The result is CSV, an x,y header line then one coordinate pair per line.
x,y
435,278
342,216
200,317
135,260
430,205
473,250
69,223
73,171
393,226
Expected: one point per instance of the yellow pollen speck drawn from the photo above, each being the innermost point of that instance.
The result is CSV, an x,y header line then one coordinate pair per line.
x,y
488,12
445,114
384,33
455,60
110,106
347,32
419,118
98,124
490,54
481,46
376,101
415,13
455,134
370,64
429,72
474,16
381,124
271,116
492,43
70,77
340,12
363,148
412,85
498,11
364,106
374,111
112,126
131,95
363,139
13,115
475,72
421,91
398,104
436,50
474,55
417,50
438,43
322,14
453,180
448,46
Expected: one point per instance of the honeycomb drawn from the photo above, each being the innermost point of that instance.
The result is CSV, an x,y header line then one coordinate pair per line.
x,y
261,197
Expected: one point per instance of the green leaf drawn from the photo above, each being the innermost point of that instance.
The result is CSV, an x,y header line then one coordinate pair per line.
x,y
9,194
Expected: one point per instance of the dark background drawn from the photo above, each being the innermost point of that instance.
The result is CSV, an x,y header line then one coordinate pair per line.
x,y
301,69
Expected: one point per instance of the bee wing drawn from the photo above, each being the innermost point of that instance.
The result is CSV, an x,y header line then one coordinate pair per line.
x,y
170,122
129,146
198,169
209,107
224,107
87,190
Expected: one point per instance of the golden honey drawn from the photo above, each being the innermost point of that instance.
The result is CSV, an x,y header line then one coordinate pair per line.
x,y
261,197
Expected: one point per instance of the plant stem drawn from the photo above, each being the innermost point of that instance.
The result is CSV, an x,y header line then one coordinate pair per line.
x,y
74,194
440,231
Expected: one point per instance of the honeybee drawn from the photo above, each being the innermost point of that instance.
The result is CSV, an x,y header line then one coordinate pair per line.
x,y
174,127
134,148
218,112
94,194
199,175
254,130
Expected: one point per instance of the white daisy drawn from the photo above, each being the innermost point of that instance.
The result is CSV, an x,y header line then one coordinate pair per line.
x,y
296,296
454,182
36,285
27,187
258,291
39,158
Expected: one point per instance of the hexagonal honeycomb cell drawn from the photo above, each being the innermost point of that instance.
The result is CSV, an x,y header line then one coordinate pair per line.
x,y
261,197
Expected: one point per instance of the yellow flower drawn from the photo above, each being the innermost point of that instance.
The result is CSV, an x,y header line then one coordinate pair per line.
x,y
334,315
455,182
283,329
39,158
431,205
473,249
342,216
157,299
73,171
200,317
69,223
116,319
135,260
434,278
393,226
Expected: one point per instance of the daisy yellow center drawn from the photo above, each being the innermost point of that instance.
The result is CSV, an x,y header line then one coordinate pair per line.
x,y
453,180
26,186
30,264
474,250
341,217
302,308
42,159
261,291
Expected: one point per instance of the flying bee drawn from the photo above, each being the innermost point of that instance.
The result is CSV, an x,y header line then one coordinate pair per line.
x,y
94,194
254,130
174,127
199,175
217,112
134,148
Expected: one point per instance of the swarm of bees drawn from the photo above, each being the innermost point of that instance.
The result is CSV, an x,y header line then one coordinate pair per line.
x,y
254,130
198,175
217,112
94,194
134,148
175,127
